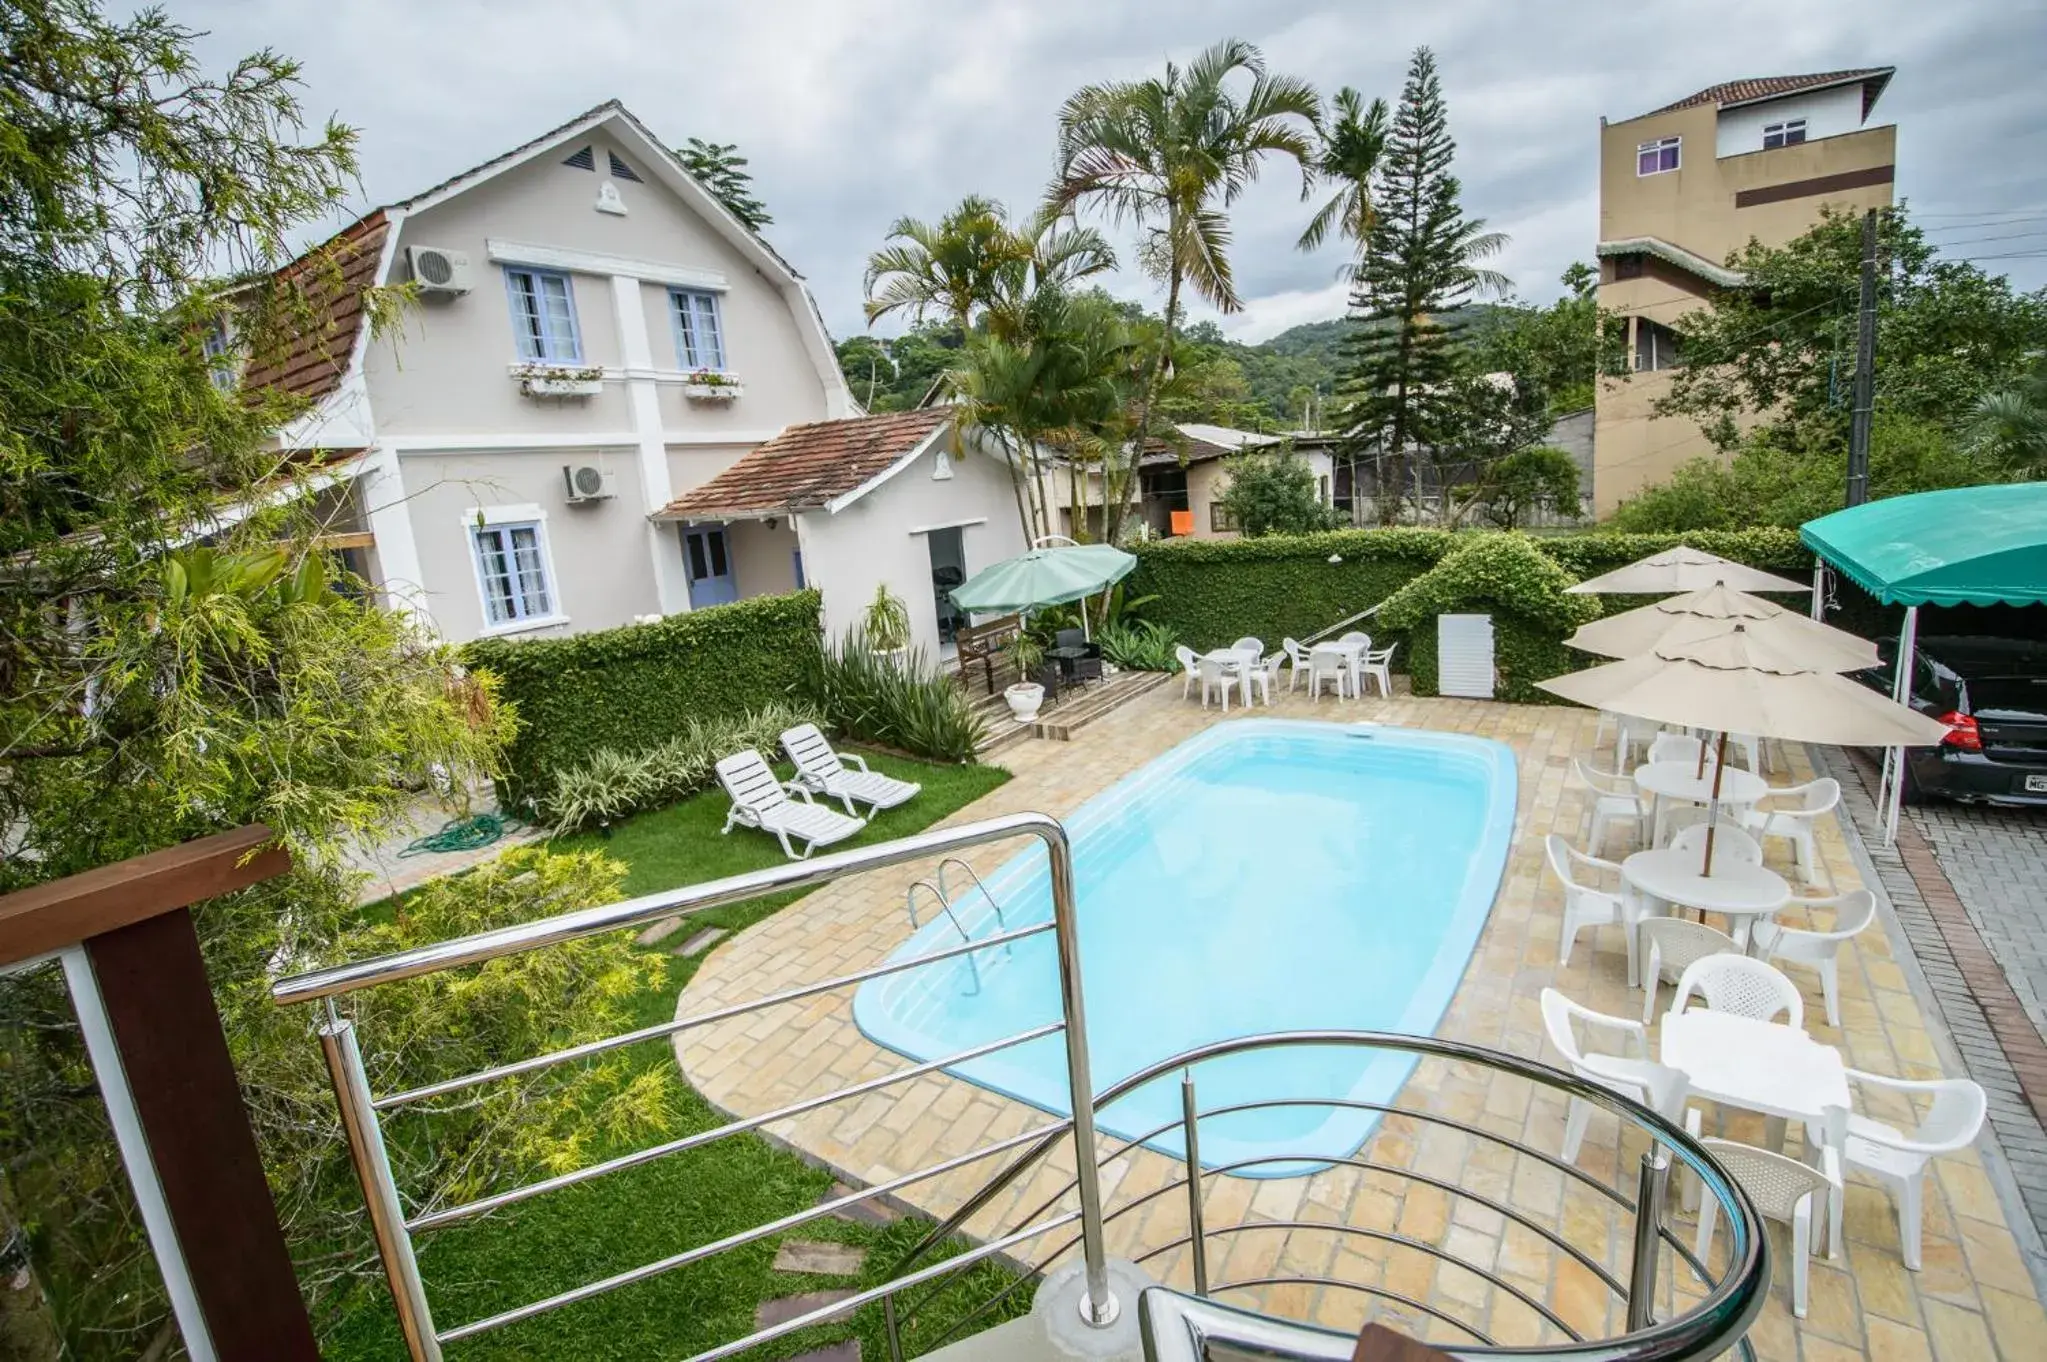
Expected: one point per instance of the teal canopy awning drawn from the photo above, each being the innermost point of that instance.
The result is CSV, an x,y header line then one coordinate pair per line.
x,y
1964,546
1042,577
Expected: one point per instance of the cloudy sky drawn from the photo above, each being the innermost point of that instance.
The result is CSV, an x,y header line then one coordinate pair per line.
x,y
857,113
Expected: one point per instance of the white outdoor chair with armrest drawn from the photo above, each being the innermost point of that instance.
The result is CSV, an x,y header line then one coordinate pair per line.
x,y
1627,1070
1668,946
1853,911
761,801
1296,659
822,770
1795,822
1190,667
1783,1189
1629,734
1898,1158
1587,905
1614,800
1324,665
1249,653
1377,663
1676,747
1264,675
1729,841
1744,987
1357,636
1222,677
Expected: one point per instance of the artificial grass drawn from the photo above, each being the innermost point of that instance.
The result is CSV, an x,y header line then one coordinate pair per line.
x,y
632,1217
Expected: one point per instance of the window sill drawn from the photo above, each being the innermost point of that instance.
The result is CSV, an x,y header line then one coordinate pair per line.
x,y
557,380
525,626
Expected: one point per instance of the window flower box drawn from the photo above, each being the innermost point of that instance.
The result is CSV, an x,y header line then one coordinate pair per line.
x,y
554,380
711,385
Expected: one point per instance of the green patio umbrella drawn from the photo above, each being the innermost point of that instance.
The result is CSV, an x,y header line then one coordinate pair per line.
x,y
1042,577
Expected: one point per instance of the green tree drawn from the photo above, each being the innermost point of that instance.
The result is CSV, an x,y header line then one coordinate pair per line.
x,y
719,167
951,268
2009,426
1169,156
893,373
1275,493
1554,353
1351,144
1533,478
1421,258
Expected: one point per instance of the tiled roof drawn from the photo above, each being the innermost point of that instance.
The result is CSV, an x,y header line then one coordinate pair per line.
x,y
1752,88
1199,443
1690,261
336,274
808,466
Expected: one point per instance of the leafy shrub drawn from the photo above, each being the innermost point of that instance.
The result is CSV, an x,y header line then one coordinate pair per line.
x,y
1508,577
1139,646
902,701
613,784
625,690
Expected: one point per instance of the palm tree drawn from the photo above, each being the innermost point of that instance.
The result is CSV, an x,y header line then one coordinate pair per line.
x,y
950,268
2010,424
1169,155
1353,139
1058,254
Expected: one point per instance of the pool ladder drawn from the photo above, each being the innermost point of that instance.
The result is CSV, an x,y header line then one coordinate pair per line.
x,y
945,901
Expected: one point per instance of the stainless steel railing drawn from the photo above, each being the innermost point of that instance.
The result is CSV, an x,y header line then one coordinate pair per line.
x,y
1718,1322
395,1230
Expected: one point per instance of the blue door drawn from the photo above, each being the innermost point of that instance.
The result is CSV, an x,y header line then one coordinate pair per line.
x,y
709,565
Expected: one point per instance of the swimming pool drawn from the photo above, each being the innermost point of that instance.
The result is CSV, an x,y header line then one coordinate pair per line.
x,y
1265,875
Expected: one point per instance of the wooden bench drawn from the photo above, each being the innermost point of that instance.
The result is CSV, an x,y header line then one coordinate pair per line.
x,y
983,643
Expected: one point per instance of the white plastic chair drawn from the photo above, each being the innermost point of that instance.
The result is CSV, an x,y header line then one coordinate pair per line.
x,y
1676,747
1378,665
821,770
1265,674
1741,986
1627,1070
1730,844
1324,665
1751,749
761,801
1853,911
1587,905
1782,1189
1190,667
1614,799
1629,734
1218,676
1357,636
1898,1158
1795,823
1669,946
1297,660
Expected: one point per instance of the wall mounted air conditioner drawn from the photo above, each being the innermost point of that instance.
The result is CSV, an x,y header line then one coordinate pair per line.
x,y
438,271
588,482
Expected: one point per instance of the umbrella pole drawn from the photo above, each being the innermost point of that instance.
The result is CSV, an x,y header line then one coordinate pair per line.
x,y
1084,632
1713,805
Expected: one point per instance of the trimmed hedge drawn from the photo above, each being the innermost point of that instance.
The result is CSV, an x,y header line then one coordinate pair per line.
x,y
1509,578
632,688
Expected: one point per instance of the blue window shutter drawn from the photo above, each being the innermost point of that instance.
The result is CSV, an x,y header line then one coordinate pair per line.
x,y
544,316
699,330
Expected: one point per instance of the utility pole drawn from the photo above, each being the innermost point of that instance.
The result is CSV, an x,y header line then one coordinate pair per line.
x,y
1865,370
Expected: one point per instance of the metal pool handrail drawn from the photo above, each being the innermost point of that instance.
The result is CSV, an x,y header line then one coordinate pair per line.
x,y
394,1231
1716,1323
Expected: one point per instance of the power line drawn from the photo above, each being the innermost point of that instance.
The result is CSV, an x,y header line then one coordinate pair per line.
x,y
1973,240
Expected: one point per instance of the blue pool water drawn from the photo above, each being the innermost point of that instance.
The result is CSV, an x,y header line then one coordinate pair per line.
x,y
1266,875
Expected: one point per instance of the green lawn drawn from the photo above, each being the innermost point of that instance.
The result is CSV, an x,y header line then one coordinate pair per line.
x,y
632,1217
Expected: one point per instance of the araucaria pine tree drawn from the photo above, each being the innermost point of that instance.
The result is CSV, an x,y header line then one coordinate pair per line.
x,y
1419,260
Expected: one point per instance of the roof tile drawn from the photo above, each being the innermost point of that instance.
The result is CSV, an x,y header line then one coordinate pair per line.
x,y
1751,88
808,466
336,275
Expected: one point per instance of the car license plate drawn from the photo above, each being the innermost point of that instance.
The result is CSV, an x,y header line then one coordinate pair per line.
x,y
2036,784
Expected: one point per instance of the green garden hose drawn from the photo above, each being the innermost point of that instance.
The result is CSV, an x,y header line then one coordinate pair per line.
x,y
460,834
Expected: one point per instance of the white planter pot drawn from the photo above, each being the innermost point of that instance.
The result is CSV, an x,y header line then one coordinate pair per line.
x,y
712,392
539,386
1024,698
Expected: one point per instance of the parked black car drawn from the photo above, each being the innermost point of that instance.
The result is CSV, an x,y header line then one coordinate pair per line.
x,y
1992,695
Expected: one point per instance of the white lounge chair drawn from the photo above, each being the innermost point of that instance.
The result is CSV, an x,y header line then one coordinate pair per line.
x,y
761,801
822,770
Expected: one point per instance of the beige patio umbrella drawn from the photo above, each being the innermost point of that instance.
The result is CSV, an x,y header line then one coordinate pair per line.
x,y
1683,569
1739,682
1699,615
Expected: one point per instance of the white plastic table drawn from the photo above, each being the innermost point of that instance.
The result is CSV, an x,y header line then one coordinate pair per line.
x,y
1353,655
1677,780
1759,1066
1740,892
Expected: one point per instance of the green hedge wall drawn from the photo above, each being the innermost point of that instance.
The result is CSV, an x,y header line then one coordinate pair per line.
x,y
629,689
1508,577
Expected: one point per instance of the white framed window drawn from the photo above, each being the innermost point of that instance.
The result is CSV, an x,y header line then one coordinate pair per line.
x,y
514,573
223,367
1653,158
543,316
699,329
1786,134
1655,346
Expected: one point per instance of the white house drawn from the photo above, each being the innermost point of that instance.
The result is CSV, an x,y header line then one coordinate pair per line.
x,y
594,337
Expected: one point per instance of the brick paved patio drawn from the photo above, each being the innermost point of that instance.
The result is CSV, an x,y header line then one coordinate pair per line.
x,y
1974,1299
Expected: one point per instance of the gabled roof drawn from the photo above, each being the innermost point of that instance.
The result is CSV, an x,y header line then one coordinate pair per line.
x,y
1200,443
1732,94
1689,261
341,269
825,464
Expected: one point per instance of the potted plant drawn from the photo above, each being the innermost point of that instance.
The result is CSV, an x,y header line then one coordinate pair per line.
x,y
1026,695
710,385
559,380
887,624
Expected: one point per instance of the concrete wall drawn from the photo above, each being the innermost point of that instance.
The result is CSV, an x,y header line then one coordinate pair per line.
x,y
763,560
877,539
1827,113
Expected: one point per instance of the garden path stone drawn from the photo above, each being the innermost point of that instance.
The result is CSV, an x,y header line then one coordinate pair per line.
x,y
666,927
820,1259
862,1213
782,1309
701,942
848,1351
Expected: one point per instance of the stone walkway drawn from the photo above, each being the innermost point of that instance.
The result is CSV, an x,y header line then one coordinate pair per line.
x,y
1974,1299
1997,861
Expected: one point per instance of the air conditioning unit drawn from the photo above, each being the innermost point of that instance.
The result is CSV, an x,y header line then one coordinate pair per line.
x,y
438,271
587,482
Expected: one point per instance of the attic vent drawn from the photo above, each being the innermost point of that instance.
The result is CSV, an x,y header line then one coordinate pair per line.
x,y
586,159
621,169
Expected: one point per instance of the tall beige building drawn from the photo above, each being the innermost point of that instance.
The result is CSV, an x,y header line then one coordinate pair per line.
x,y
1682,188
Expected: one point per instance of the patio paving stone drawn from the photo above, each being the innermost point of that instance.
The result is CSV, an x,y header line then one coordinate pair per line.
x,y
1974,1299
